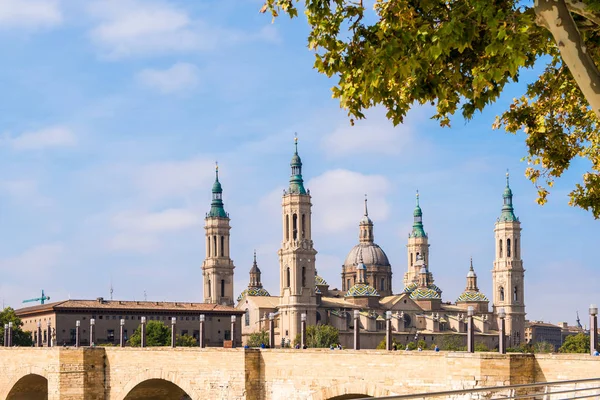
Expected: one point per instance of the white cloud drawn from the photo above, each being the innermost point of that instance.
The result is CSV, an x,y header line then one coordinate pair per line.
x,y
169,220
129,241
38,259
136,28
25,191
338,197
29,14
374,135
180,76
45,138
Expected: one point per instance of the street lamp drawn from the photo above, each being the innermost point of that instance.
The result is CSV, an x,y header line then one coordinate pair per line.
x,y
38,341
77,327
302,330
173,322
388,330
122,326
92,325
49,329
470,330
10,334
502,338
593,328
356,330
233,319
5,335
272,330
143,338
201,333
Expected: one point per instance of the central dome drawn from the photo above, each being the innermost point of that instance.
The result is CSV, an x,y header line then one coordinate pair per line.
x,y
372,254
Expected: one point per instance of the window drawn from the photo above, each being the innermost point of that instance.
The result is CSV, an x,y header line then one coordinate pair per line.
x,y
209,288
222,287
72,334
227,335
303,226
125,334
100,317
187,318
501,293
295,226
215,246
515,297
287,227
222,245
110,335
303,276
114,317
411,259
287,277
247,318
500,248
507,247
382,287
209,247
347,284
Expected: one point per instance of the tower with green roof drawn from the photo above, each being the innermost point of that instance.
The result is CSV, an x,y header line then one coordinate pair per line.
x,y
417,247
296,255
217,268
508,275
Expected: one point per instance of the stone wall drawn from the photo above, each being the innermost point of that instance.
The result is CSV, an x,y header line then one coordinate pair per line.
x,y
255,374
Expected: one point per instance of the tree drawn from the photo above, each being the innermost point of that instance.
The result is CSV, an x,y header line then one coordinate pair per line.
x,y
185,341
256,339
462,54
543,347
20,337
157,334
452,343
579,343
320,336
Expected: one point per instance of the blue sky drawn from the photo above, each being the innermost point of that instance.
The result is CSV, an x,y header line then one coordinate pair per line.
x,y
112,115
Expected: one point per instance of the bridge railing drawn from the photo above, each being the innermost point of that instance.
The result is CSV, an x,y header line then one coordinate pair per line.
x,y
571,389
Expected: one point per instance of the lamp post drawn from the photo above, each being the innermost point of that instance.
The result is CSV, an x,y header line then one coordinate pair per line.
x,y
388,330
356,330
201,333
470,330
502,338
143,329
593,328
77,327
233,318
49,329
92,325
272,330
173,322
5,335
10,334
302,330
38,340
122,340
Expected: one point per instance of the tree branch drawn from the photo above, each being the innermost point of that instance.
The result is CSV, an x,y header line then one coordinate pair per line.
x,y
555,16
580,8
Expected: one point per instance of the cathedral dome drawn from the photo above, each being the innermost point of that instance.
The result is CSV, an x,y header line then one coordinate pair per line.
x,y
253,292
425,293
361,289
413,287
372,254
471,296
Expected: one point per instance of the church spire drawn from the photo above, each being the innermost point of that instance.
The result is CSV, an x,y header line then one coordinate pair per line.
x,y
366,227
296,182
418,230
472,279
508,214
216,206
255,282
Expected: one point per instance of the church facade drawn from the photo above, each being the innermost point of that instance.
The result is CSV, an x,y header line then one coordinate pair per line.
x,y
418,312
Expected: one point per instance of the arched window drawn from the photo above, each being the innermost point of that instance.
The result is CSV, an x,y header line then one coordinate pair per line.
x,y
209,295
501,293
287,227
500,248
303,226
209,255
382,287
222,287
515,296
215,246
303,276
507,247
287,277
295,226
247,318
411,259
222,245
347,284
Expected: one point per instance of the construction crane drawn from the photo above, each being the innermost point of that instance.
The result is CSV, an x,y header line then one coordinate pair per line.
x,y
40,299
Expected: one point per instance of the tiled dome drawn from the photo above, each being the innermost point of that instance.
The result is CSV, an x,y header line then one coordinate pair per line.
x,y
411,288
320,281
361,289
472,296
421,293
253,292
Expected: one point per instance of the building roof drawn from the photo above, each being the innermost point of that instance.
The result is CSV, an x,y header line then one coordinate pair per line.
x,y
121,305
262,301
372,255
361,290
320,281
336,302
471,295
253,292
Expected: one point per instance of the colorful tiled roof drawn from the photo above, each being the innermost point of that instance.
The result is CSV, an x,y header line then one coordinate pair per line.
x,y
413,286
253,292
422,293
320,281
361,289
472,296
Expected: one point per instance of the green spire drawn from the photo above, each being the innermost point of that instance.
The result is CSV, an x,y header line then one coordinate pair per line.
x,y
418,230
296,182
216,206
508,214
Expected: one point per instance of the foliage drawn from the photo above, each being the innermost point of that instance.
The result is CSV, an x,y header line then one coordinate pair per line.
x,y
579,343
543,347
157,334
20,337
461,55
321,336
452,343
381,345
185,341
481,347
522,348
256,339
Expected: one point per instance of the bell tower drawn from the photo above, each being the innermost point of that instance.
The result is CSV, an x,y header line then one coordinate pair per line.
x,y
508,273
418,247
217,268
296,256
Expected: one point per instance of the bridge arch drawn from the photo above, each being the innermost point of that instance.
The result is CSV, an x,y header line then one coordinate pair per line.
x,y
351,390
21,373
151,382
29,387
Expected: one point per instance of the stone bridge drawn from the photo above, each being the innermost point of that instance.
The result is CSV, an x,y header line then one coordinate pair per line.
x,y
193,373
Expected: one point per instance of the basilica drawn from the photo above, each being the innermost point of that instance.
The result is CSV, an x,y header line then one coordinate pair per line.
x,y
418,311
